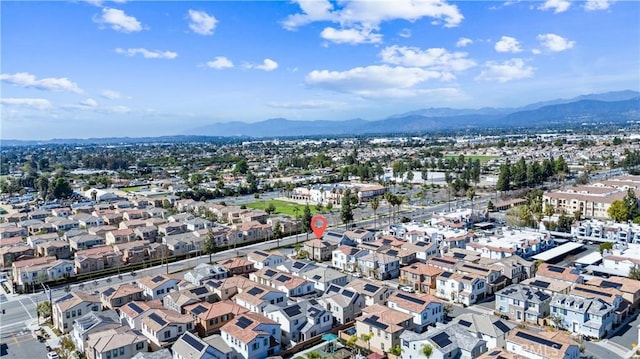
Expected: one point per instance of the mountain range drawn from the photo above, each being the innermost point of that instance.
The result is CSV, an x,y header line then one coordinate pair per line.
x,y
609,107
616,107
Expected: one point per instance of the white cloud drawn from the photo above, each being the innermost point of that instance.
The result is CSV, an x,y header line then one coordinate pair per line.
x,y
220,62
25,79
463,41
350,36
148,54
201,22
89,102
36,103
508,44
593,5
505,71
370,14
111,95
406,33
557,6
306,105
118,20
536,51
267,65
434,59
373,81
555,43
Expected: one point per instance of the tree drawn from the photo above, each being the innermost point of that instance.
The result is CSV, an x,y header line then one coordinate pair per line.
x,y
490,206
346,209
634,272
241,167
375,203
427,350
44,309
397,350
313,355
367,338
618,211
210,244
631,203
504,177
351,342
270,208
61,188
605,246
306,220
67,348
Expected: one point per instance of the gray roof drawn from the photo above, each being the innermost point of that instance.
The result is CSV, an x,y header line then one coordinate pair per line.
x,y
595,306
484,324
160,354
95,320
185,349
458,336
524,293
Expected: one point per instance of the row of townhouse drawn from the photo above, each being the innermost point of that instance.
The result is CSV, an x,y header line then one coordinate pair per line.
x,y
608,230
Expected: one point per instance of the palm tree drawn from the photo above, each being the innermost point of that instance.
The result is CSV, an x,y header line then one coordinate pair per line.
x,y
296,210
375,203
367,338
399,200
389,198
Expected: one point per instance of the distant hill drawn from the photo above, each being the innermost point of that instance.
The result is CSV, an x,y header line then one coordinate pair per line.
x,y
276,127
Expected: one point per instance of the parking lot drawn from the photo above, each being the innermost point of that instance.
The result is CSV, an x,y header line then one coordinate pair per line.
x,y
22,345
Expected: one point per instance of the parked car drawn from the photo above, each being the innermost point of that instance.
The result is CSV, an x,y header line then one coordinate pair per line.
x,y
357,275
407,289
52,355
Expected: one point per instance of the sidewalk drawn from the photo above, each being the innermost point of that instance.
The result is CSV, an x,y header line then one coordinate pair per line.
x,y
53,341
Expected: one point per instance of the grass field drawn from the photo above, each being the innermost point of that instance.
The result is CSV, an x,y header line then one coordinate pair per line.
x,y
132,189
282,207
482,159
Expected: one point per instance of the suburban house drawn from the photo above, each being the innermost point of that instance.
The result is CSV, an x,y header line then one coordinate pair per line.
x,y
9,254
177,300
190,346
385,325
527,344
292,285
346,257
551,271
132,313
490,329
73,305
210,317
28,271
156,287
262,259
96,259
460,288
379,266
204,272
360,235
373,292
85,241
448,341
591,317
58,249
300,321
252,336
523,303
420,277
256,297
120,236
323,277
425,309
115,297
319,250
343,303
123,343
163,327
237,266
90,323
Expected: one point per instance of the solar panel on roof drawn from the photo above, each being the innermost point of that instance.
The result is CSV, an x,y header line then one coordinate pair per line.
x,y
244,322
495,352
255,291
348,293
466,277
441,260
66,297
156,318
261,253
392,252
283,278
157,279
459,255
607,284
194,342
475,267
316,277
464,323
199,309
270,272
541,284
298,265
199,291
446,274
371,288
556,269
108,292
542,341
500,325
333,289
592,291
442,339
135,308
410,299
373,321
293,310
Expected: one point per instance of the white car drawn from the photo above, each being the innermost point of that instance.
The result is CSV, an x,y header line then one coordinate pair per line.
x,y
407,289
357,275
52,355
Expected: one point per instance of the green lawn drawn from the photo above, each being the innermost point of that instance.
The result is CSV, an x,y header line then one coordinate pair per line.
x,y
482,159
132,189
282,207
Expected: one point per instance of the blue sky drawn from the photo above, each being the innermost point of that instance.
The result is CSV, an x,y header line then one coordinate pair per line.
x,y
140,68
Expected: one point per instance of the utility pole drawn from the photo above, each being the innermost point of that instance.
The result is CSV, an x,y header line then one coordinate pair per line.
x,y
46,288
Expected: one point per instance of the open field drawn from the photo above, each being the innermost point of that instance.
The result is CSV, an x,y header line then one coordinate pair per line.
x,y
282,207
482,158
132,189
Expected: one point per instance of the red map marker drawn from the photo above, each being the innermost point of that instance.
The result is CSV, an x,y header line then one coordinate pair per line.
x,y
318,225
